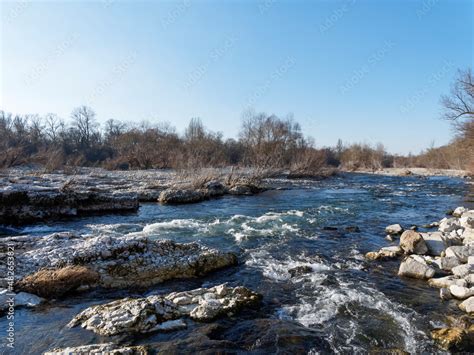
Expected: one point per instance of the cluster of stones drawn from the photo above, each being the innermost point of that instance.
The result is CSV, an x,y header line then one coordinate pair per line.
x,y
445,258
164,313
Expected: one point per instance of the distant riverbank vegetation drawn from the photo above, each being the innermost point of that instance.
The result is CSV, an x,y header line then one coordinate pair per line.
x,y
264,142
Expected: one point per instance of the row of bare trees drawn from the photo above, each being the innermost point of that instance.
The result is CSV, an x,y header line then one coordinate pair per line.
x,y
265,141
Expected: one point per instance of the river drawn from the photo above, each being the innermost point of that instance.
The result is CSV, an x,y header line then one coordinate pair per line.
x,y
345,305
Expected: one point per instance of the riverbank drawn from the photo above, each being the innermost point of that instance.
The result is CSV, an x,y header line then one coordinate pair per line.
x,y
445,259
414,172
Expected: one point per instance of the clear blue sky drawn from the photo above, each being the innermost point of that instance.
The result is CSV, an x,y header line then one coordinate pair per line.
x,y
362,71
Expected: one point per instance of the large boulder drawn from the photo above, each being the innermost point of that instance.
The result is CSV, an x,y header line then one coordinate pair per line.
x,y
463,270
467,305
412,242
435,242
416,267
468,237
153,313
467,222
243,189
459,211
461,252
461,292
447,263
120,261
447,225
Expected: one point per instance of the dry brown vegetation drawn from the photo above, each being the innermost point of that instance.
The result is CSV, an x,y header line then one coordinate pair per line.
x,y
50,283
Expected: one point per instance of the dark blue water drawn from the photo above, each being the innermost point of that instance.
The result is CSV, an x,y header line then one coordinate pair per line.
x,y
353,305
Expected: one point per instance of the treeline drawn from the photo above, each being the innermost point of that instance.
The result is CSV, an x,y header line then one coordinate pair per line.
x,y
265,141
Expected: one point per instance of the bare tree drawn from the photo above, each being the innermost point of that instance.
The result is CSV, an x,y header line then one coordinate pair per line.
x,y
54,126
85,125
460,102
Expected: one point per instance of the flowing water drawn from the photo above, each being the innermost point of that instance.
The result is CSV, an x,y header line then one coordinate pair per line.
x,y
345,305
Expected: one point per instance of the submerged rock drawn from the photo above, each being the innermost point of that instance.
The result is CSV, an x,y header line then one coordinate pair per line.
x,y
384,253
453,339
445,294
100,349
412,242
120,262
154,313
416,267
21,299
300,270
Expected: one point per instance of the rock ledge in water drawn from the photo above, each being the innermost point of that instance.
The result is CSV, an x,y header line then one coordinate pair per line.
x,y
100,349
120,262
155,313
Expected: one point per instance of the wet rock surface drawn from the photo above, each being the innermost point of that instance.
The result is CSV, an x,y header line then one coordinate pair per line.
x,y
21,299
59,263
28,196
416,267
356,307
156,313
449,250
101,349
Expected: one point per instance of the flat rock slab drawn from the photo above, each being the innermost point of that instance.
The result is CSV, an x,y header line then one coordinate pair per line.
x,y
24,204
119,262
100,349
154,313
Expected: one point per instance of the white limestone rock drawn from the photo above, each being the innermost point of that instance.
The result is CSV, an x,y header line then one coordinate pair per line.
x,y
463,270
416,267
158,313
461,292
446,282
394,229
467,305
